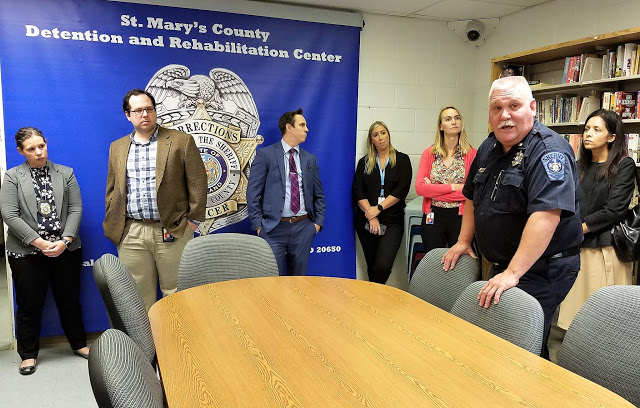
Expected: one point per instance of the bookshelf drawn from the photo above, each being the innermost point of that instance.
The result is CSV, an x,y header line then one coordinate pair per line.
x,y
546,64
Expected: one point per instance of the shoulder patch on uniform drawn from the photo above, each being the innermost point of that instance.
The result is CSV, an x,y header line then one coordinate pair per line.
x,y
553,164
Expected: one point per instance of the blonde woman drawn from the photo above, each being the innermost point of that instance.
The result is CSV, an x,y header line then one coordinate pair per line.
x,y
441,175
380,186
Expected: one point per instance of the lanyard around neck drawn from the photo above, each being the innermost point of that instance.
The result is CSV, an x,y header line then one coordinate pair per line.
x,y
382,174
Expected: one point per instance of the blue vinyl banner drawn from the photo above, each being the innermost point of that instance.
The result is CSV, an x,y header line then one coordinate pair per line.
x,y
223,78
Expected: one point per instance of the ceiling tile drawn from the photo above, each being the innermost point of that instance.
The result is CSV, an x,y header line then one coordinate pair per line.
x,y
436,9
523,3
395,8
467,9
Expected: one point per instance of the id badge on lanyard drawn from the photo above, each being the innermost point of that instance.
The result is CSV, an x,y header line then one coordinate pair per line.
x,y
382,172
430,218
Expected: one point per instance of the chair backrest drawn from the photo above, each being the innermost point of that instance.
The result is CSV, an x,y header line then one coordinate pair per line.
x,y
226,256
602,343
517,318
124,303
120,374
442,288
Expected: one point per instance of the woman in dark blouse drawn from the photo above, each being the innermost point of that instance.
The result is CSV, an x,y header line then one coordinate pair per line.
x,y
380,186
606,187
40,203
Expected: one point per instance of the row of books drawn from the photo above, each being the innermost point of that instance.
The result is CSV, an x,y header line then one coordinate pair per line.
x,y
560,109
622,61
632,147
624,103
574,67
567,109
632,140
574,140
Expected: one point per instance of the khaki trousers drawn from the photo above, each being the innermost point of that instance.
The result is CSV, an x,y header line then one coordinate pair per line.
x,y
149,259
599,267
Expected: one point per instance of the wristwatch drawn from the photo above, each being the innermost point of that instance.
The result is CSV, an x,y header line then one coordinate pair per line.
x,y
380,207
66,242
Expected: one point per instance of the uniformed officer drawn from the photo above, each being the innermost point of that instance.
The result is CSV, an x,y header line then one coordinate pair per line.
x,y
522,203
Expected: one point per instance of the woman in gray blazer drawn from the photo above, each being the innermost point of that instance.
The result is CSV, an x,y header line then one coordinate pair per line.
x,y
40,203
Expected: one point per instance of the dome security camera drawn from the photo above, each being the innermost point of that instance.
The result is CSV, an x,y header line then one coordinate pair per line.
x,y
474,30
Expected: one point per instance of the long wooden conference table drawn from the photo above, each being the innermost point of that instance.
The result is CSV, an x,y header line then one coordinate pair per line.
x,y
331,342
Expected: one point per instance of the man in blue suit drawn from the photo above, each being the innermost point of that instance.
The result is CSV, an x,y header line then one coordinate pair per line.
x,y
284,196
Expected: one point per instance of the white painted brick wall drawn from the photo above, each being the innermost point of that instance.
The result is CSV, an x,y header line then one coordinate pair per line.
x,y
409,70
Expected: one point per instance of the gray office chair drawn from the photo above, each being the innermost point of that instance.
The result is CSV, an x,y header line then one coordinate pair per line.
x,y
124,303
439,287
120,374
517,318
602,343
222,257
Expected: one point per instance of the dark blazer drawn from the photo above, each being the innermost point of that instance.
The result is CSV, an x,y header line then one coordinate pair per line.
x,y
19,206
267,183
181,184
601,206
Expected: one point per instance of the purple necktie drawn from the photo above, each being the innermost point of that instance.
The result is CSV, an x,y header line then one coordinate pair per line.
x,y
295,187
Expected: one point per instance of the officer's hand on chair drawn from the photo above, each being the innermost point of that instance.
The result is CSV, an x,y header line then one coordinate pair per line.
x,y
495,287
451,256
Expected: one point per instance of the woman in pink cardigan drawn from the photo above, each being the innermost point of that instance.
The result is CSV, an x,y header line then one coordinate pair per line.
x,y
441,176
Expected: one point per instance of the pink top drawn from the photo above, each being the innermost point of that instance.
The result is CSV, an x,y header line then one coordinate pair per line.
x,y
441,192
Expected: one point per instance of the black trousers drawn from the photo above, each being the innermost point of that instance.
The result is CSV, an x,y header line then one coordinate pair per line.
x,y
32,276
444,231
549,280
380,250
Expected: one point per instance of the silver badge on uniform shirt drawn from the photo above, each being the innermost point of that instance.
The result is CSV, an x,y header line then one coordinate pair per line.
x,y
45,209
517,159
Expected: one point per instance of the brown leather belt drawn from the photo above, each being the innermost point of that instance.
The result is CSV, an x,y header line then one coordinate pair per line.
x,y
145,221
293,220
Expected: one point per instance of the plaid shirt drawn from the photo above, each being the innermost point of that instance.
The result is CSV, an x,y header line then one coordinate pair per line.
x,y
142,200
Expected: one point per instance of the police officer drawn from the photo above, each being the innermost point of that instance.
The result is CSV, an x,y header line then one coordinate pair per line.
x,y
522,203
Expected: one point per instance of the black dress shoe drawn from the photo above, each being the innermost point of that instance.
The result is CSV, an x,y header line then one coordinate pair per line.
x,y
27,370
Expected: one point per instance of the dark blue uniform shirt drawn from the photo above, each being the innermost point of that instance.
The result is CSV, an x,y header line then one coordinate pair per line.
x,y
537,174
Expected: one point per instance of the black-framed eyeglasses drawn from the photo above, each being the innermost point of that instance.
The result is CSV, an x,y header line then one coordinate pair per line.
x,y
495,187
139,112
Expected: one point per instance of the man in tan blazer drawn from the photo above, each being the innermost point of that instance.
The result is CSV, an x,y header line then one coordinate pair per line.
x,y
156,188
